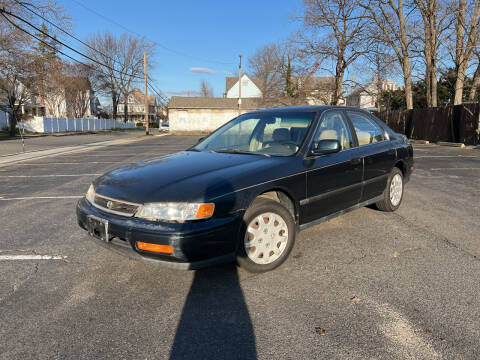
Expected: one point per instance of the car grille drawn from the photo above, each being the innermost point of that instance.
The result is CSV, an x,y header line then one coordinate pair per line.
x,y
115,206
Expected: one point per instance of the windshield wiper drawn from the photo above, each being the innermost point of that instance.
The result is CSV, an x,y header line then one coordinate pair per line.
x,y
233,151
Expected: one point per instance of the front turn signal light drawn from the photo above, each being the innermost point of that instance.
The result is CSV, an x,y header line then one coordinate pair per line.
x,y
205,211
155,248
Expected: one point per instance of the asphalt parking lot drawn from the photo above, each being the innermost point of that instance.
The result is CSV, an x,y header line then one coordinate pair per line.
x,y
401,285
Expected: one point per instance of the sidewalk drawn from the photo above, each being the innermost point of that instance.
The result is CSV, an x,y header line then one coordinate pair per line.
x,y
6,160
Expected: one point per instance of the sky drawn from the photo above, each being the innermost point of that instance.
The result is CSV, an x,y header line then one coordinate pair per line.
x,y
196,39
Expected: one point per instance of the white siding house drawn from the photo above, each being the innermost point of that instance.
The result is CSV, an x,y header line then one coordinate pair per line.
x,y
250,88
366,96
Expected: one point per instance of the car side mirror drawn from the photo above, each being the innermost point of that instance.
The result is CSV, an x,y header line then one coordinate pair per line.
x,y
200,139
324,147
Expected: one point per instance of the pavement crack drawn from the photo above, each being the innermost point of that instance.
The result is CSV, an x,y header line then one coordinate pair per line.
x,y
441,237
18,282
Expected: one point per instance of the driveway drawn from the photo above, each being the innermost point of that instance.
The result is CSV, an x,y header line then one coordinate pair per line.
x,y
364,285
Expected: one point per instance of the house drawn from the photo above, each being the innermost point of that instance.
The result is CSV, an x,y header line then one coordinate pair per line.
x,y
136,107
318,90
205,114
73,97
250,87
365,97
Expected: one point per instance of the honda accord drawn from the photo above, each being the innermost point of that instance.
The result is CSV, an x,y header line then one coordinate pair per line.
x,y
243,193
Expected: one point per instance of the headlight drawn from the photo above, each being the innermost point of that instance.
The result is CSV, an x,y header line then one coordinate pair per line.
x,y
90,194
175,211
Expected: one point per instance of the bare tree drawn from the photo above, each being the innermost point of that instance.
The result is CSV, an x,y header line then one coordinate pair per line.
x,y
205,89
381,64
123,59
334,30
390,18
437,18
266,66
18,73
78,91
16,76
467,32
475,80
53,89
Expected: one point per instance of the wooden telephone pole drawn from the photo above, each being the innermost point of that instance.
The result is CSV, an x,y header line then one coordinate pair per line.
x,y
147,125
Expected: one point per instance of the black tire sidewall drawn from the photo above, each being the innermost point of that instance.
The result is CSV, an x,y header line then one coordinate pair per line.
x,y
258,207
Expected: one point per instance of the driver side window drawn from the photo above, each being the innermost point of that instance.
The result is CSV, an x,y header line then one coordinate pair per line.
x,y
334,127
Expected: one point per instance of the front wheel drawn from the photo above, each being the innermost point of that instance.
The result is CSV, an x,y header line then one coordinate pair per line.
x,y
393,193
266,237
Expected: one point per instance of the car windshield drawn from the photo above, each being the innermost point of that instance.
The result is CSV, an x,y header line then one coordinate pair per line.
x,y
269,134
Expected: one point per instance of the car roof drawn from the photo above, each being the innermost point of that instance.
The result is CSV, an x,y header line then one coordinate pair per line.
x,y
307,108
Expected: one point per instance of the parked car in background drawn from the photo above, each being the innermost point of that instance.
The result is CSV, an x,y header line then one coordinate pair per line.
x,y
244,191
165,126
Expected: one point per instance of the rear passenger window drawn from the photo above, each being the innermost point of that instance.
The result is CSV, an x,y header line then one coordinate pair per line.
x,y
368,132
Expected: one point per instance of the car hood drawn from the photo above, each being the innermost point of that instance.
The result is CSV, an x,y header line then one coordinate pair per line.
x,y
186,176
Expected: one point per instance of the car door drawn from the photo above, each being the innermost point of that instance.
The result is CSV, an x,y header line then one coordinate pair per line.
x,y
376,152
333,180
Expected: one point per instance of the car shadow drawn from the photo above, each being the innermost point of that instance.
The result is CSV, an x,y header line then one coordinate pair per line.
x,y
215,322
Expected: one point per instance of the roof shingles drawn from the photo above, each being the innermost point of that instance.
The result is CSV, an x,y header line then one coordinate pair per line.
x,y
182,102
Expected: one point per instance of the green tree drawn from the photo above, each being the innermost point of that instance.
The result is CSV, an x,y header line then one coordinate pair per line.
x,y
394,100
46,48
419,91
288,79
46,62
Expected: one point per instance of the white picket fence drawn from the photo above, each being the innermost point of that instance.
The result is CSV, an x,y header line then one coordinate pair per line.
x,y
41,124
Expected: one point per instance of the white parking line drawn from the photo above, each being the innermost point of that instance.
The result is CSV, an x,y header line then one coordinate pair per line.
x,y
32,257
454,169
65,163
447,156
50,175
83,155
41,197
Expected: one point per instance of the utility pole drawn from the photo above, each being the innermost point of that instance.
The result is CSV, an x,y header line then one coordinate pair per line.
x,y
147,125
239,83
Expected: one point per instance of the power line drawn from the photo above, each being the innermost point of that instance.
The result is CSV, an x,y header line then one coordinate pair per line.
x,y
67,46
158,92
63,30
82,42
66,32
3,12
156,42
49,45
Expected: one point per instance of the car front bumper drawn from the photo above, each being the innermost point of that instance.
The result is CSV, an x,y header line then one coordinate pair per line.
x,y
195,244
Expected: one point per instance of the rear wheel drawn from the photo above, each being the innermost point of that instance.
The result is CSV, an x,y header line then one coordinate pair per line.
x,y
393,193
266,237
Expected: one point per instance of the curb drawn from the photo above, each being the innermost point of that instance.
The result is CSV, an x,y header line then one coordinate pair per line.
x,y
451,144
413,141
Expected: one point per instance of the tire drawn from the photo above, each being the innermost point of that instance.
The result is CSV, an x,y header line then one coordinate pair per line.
x,y
392,201
265,254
